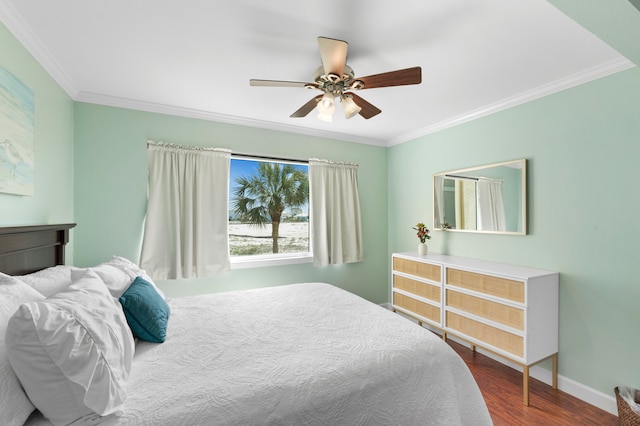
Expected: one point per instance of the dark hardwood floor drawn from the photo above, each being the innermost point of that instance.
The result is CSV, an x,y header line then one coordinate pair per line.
x,y
501,387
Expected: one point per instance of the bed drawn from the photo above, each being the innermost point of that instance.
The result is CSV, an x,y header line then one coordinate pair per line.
x,y
298,354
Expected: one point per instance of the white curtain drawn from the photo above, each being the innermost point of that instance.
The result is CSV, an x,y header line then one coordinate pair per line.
x,y
438,201
336,230
185,233
465,204
491,216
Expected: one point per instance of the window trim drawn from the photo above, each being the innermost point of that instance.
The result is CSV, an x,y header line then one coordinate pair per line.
x,y
264,260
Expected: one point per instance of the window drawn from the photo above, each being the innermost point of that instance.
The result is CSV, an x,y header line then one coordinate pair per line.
x,y
268,210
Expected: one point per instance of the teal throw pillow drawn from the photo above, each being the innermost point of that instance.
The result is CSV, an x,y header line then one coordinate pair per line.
x,y
146,311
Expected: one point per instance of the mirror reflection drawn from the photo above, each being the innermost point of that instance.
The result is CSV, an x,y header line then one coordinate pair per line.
x,y
489,198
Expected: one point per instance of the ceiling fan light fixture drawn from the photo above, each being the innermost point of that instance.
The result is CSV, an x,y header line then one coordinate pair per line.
x,y
326,117
327,103
350,107
326,107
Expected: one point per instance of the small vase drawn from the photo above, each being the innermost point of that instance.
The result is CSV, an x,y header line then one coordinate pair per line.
x,y
422,249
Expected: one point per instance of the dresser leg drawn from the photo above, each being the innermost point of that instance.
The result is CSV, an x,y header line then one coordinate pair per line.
x,y
525,384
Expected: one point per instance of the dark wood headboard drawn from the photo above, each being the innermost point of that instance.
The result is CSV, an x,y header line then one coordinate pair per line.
x,y
27,249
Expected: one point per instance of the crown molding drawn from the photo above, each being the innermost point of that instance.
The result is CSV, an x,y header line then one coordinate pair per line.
x,y
133,104
594,73
25,35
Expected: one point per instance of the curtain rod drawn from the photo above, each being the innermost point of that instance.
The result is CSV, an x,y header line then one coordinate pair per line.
x,y
205,148
339,163
185,147
246,156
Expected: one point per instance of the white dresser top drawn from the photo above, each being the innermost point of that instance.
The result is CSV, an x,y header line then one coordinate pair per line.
x,y
476,265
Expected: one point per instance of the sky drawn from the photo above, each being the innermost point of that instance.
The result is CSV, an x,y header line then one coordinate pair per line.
x,y
242,167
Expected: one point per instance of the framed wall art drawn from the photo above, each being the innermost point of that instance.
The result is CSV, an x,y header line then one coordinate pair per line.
x,y
17,109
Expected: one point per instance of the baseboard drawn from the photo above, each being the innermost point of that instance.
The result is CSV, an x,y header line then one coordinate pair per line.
x,y
589,395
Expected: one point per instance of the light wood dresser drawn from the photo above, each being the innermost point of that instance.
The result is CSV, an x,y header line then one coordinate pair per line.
x,y
508,310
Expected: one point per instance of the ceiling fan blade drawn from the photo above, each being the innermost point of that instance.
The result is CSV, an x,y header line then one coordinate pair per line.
x,y
276,83
393,78
368,110
334,55
306,108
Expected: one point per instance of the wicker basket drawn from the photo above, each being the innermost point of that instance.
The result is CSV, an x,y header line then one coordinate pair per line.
x,y
626,416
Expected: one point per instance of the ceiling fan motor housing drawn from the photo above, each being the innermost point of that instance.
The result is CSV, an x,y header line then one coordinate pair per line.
x,y
334,83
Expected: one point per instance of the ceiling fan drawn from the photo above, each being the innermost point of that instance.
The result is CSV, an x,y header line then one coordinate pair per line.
x,y
337,80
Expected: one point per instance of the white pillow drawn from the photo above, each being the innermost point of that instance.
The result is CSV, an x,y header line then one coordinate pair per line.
x,y
116,280
133,270
49,281
72,352
15,406
118,274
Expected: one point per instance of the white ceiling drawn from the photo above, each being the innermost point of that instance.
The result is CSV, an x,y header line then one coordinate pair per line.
x,y
195,57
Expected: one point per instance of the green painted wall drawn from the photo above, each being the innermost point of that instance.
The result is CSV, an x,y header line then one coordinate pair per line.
x,y
583,149
53,145
616,22
582,144
111,181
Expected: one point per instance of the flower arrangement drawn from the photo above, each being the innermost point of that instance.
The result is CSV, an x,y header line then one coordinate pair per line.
x,y
423,232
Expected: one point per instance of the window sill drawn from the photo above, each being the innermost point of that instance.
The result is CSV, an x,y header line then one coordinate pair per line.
x,y
246,262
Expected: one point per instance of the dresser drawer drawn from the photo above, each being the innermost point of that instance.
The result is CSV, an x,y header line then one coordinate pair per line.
x,y
428,291
493,336
416,306
503,314
487,284
419,269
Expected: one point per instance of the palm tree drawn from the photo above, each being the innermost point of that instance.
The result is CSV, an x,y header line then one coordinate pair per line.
x,y
262,197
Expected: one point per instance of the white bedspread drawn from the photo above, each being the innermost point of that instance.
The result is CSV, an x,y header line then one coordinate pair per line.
x,y
302,354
